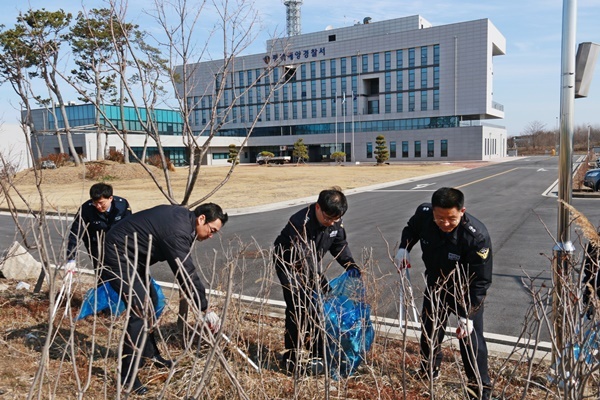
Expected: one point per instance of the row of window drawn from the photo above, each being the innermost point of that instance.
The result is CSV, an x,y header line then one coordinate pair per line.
x,y
405,152
329,68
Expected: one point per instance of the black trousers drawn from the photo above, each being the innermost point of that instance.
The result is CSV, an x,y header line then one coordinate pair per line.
x,y
473,349
135,291
302,311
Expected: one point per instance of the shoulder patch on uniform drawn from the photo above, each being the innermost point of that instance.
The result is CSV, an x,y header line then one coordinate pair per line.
x,y
483,253
425,208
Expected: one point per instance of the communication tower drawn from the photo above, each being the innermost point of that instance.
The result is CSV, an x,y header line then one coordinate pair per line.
x,y
293,17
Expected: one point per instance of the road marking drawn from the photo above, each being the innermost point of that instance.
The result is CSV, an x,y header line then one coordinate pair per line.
x,y
483,179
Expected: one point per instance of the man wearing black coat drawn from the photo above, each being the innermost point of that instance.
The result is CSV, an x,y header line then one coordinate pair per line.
x,y
299,249
163,233
457,252
94,218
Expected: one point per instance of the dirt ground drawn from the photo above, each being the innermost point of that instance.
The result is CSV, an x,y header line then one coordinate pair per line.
x,y
66,188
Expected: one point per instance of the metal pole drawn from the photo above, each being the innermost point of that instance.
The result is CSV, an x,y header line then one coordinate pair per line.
x,y
344,114
587,156
563,250
352,159
335,102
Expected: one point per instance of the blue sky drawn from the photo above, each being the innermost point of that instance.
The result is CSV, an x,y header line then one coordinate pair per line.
x,y
526,79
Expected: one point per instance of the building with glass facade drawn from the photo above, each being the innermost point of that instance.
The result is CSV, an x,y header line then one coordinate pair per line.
x,y
427,89
82,121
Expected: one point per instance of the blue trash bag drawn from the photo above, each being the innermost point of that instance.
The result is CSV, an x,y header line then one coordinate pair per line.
x,y
348,326
104,297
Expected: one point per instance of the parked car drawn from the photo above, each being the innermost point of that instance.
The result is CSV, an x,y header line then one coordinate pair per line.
x,y
592,179
48,164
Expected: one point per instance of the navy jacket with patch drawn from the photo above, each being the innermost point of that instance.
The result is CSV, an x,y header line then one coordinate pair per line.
x,y
90,225
469,247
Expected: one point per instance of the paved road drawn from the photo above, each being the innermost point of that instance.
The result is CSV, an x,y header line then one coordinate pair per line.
x,y
508,197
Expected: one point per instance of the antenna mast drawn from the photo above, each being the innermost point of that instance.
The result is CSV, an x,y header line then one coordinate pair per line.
x,y
293,17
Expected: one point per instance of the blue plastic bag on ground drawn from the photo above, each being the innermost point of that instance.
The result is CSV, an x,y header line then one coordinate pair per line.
x,y
104,297
348,326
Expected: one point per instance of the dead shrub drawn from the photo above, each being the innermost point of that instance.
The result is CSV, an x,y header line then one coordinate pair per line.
x,y
155,161
116,156
95,171
59,159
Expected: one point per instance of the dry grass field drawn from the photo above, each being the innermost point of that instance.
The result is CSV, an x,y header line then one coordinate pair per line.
x,y
65,188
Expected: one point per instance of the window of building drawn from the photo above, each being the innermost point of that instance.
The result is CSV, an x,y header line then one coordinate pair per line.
x,y
303,72
444,148
430,145
313,69
331,38
404,149
417,149
436,77
304,109
388,81
323,65
220,156
388,60
373,107
268,113
313,109
289,73
241,78
303,89
423,100
343,65
411,101
365,63
436,54
313,89
323,88
333,87
332,68
344,85
369,149
323,108
334,106
411,57
436,99
399,60
276,111
424,55
392,149
399,80
294,106
286,111
399,102
423,78
376,62
411,79
286,90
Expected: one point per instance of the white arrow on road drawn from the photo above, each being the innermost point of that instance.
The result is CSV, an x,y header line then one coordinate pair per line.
x,y
422,185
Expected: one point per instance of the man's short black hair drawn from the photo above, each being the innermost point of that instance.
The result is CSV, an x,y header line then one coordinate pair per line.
x,y
448,198
100,191
212,212
333,202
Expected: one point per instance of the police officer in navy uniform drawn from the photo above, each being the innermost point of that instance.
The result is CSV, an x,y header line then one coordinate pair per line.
x,y
299,248
457,253
94,218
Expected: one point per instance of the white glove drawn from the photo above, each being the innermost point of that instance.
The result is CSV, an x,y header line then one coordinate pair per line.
x,y
213,321
465,328
71,266
402,259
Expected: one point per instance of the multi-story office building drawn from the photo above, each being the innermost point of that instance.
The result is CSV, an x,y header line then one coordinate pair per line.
x,y
427,89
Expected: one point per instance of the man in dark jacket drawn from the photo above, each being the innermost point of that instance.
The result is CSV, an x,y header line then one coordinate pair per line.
x,y
163,233
457,252
94,218
299,249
